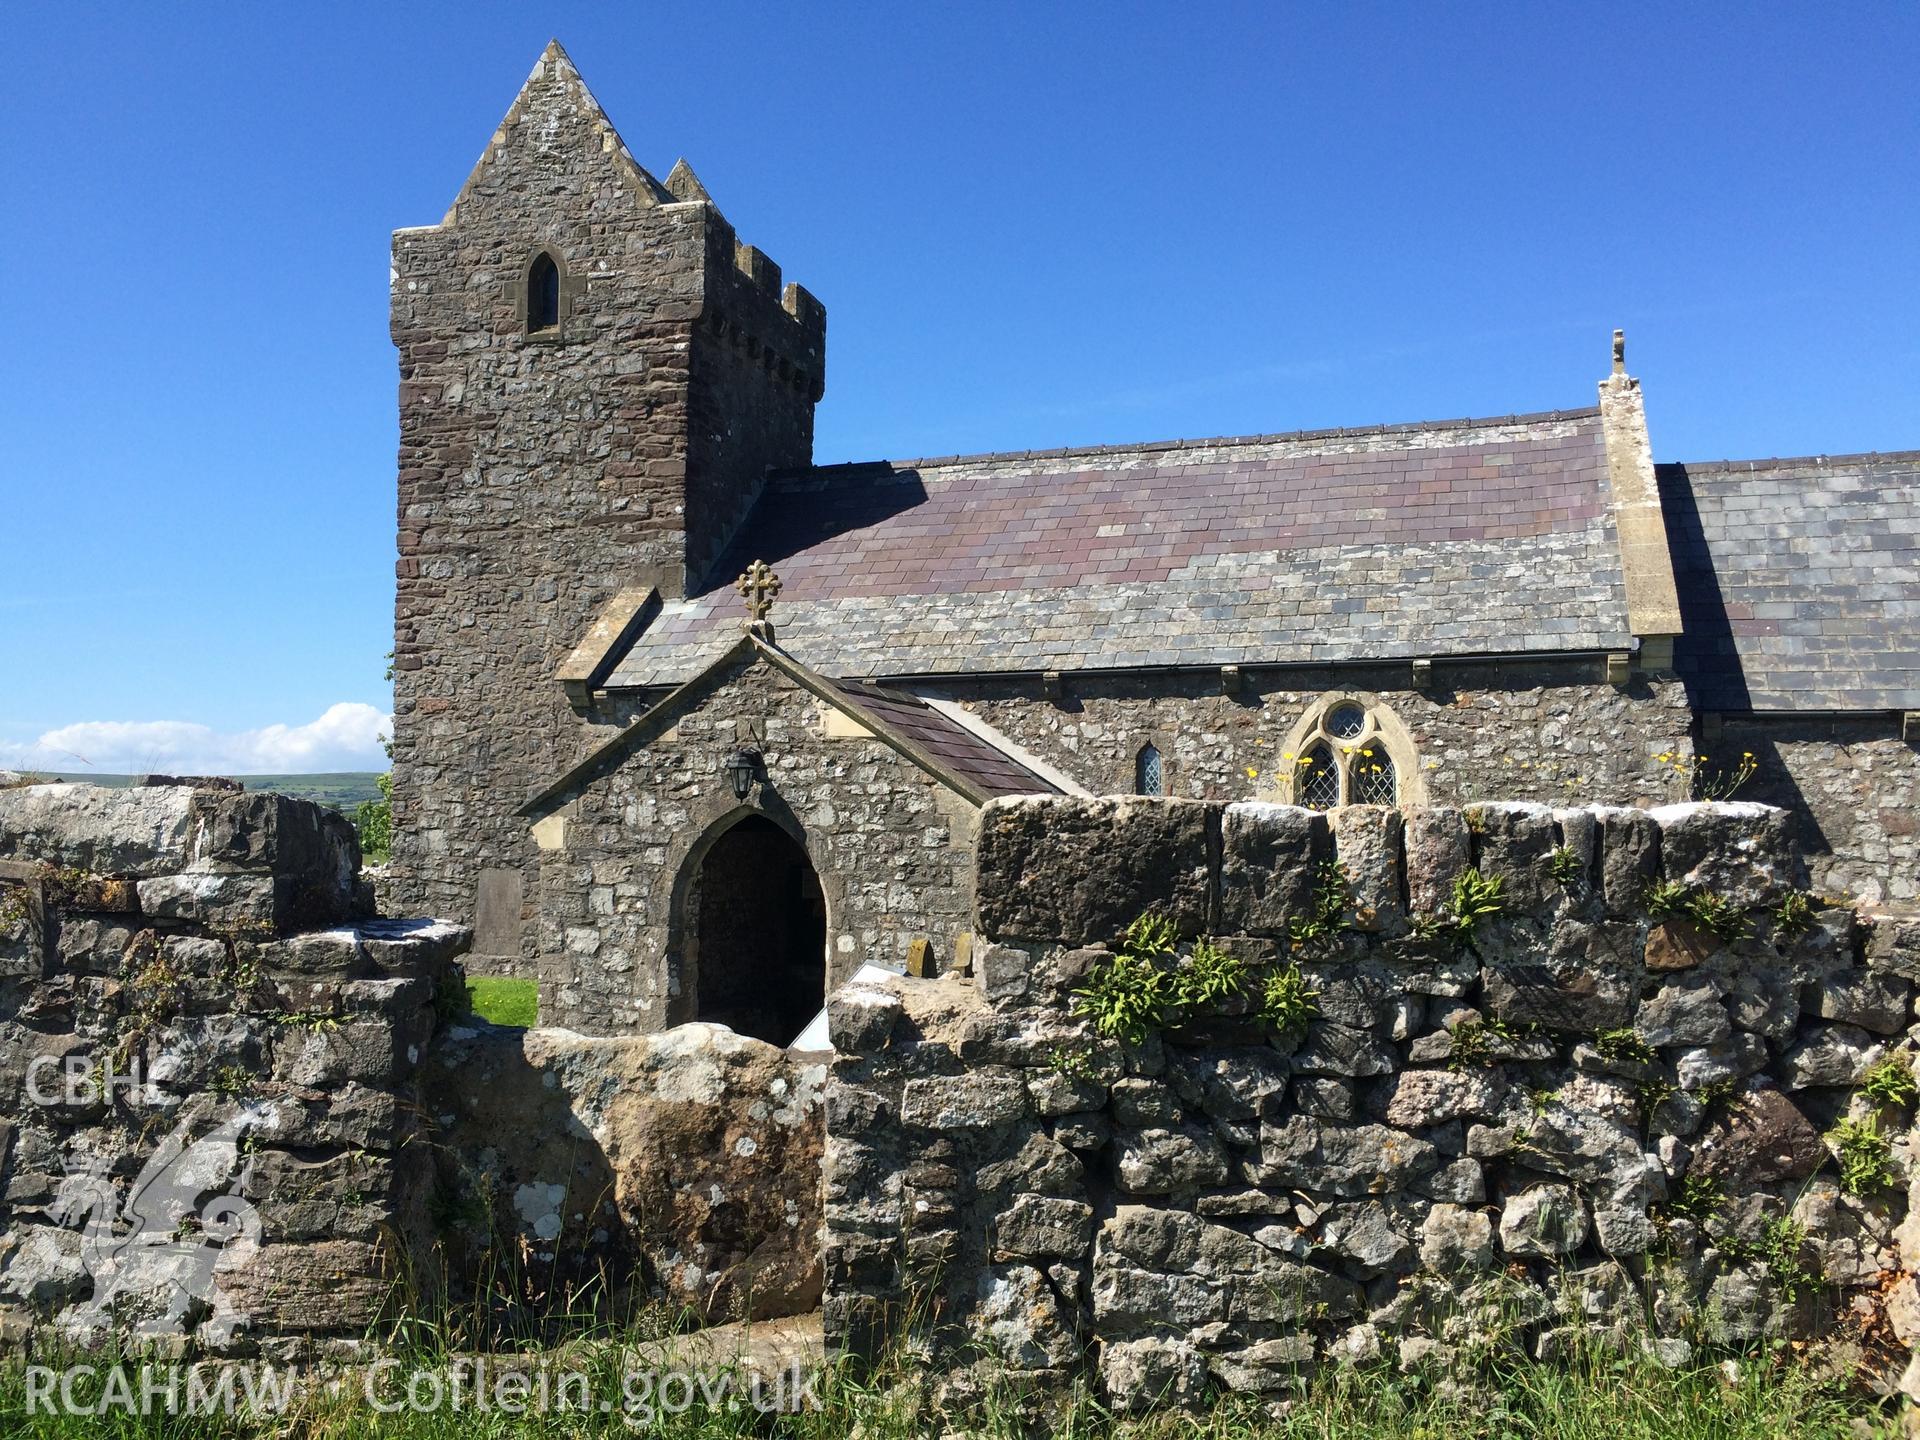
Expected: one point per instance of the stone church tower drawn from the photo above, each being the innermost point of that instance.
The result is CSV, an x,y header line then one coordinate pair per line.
x,y
595,378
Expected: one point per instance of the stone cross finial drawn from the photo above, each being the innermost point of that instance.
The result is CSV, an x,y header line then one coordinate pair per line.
x,y
1619,352
758,586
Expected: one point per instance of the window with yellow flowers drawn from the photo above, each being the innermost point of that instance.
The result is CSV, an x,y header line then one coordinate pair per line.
x,y
1349,751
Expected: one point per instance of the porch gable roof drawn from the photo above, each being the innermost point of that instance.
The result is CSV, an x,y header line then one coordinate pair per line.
x,y
961,759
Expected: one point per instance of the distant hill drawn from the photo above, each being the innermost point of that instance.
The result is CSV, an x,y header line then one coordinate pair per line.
x,y
342,790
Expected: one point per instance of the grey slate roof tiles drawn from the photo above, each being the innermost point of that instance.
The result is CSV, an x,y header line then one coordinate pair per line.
x,y
1799,581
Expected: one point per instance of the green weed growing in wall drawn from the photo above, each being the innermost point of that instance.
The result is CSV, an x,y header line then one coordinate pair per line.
x,y
1132,995
1866,1158
1565,867
1332,899
1783,1249
1474,1042
1127,998
1716,915
1210,979
1074,1064
13,906
1287,1001
1151,935
1476,898
1794,914
1666,899
1623,1047
1699,1199
1891,1082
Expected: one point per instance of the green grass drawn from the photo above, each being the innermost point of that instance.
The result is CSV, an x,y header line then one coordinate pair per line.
x,y
505,1002
1592,1394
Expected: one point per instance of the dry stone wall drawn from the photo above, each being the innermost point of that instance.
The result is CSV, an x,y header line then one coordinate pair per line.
x,y
1622,1092
207,1060
242,1113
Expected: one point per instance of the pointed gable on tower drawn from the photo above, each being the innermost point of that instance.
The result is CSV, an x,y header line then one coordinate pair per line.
x,y
557,129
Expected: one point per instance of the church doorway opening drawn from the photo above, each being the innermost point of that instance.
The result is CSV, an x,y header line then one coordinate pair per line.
x,y
760,933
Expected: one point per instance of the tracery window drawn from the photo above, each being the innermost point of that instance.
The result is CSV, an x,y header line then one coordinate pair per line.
x,y
1347,752
1149,778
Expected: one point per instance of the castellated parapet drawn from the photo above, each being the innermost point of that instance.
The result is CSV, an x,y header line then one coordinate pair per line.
x,y
564,436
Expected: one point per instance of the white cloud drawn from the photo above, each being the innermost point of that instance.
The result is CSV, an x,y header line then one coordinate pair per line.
x,y
346,737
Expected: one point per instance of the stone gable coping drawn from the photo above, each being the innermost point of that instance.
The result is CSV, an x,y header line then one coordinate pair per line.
x,y
1653,598
555,68
620,620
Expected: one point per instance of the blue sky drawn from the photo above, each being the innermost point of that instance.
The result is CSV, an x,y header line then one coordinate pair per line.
x,y
1032,225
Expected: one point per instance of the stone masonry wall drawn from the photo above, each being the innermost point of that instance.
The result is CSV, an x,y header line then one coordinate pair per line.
x,y
1852,786
1548,732
1586,1109
892,849
541,473
206,1069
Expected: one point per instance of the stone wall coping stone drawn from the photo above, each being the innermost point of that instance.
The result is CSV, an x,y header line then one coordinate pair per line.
x,y
135,832
1070,871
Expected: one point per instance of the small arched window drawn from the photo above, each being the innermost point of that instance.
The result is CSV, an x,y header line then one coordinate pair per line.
x,y
1346,752
543,294
1148,776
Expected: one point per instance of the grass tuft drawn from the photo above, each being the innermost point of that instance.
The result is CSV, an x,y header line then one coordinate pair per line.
x,y
505,1002
1590,1390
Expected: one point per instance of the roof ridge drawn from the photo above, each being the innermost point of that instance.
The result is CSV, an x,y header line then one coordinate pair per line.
x,y
1339,432
1774,462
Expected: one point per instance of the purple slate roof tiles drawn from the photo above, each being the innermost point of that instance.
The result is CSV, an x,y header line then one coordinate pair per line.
x,y
965,754
1461,537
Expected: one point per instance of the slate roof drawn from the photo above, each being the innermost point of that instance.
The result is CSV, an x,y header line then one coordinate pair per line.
x,y
1450,537
1799,581
960,751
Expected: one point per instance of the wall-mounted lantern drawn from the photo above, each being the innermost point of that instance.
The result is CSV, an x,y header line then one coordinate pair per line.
x,y
742,768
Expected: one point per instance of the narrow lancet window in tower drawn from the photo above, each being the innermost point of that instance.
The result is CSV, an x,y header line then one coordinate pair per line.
x,y
543,294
